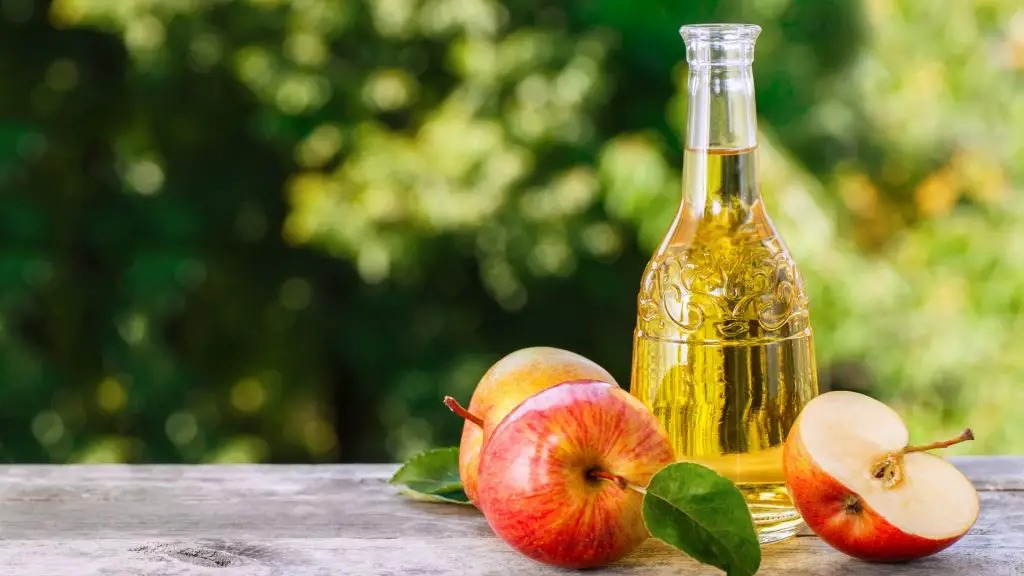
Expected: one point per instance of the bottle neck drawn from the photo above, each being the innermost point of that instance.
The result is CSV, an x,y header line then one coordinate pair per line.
x,y
720,176
721,110
722,122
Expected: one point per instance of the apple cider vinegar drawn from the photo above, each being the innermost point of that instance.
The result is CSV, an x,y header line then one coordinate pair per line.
x,y
723,352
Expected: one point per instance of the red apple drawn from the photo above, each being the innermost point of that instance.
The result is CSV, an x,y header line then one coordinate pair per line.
x,y
864,491
554,473
508,382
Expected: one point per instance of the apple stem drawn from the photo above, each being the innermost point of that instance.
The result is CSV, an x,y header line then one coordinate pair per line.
x,y
618,480
890,469
963,437
454,406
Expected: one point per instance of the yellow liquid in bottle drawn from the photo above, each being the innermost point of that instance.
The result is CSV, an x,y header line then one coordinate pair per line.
x,y
723,352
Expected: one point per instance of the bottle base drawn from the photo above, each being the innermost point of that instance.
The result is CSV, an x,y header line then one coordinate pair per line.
x,y
775,518
775,525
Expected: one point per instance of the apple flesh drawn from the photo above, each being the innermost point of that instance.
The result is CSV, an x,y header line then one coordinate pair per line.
x,y
554,474
866,493
504,386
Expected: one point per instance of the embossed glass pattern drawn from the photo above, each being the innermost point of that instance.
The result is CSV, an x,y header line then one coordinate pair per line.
x,y
723,350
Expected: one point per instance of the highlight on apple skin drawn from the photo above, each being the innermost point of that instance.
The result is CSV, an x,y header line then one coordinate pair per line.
x,y
505,385
864,491
545,482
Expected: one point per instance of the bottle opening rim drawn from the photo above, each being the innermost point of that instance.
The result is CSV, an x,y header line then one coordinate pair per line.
x,y
720,32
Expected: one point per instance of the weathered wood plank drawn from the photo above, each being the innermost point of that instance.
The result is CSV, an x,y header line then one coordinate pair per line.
x,y
993,472
299,520
430,557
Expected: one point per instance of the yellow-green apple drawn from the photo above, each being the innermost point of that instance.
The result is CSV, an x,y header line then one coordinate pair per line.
x,y
508,382
555,473
864,491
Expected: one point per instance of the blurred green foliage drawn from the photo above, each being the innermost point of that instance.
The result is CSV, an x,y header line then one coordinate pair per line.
x,y
281,230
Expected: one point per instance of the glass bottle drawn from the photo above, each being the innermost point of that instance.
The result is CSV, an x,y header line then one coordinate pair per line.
x,y
723,352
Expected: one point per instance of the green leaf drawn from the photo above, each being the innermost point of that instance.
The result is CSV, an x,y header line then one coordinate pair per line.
x,y
703,514
432,476
455,497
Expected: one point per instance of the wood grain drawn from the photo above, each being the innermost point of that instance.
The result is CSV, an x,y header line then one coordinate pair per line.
x,y
320,520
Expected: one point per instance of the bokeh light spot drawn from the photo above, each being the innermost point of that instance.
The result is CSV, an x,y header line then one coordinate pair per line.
x,y
296,294
48,427
374,263
254,66
319,437
241,450
62,75
205,51
602,239
319,147
133,329
108,450
306,49
389,89
248,395
181,428
111,395
144,34
145,177
299,93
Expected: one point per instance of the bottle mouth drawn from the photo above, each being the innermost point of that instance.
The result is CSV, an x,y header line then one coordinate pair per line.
x,y
720,44
720,32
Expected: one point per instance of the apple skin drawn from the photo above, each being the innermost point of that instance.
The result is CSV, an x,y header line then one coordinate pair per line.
x,y
505,385
535,487
822,502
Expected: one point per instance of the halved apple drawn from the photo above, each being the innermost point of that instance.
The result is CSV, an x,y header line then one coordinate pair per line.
x,y
864,491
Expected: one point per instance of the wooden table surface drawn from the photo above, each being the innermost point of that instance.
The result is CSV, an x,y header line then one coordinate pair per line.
x,y
299,520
